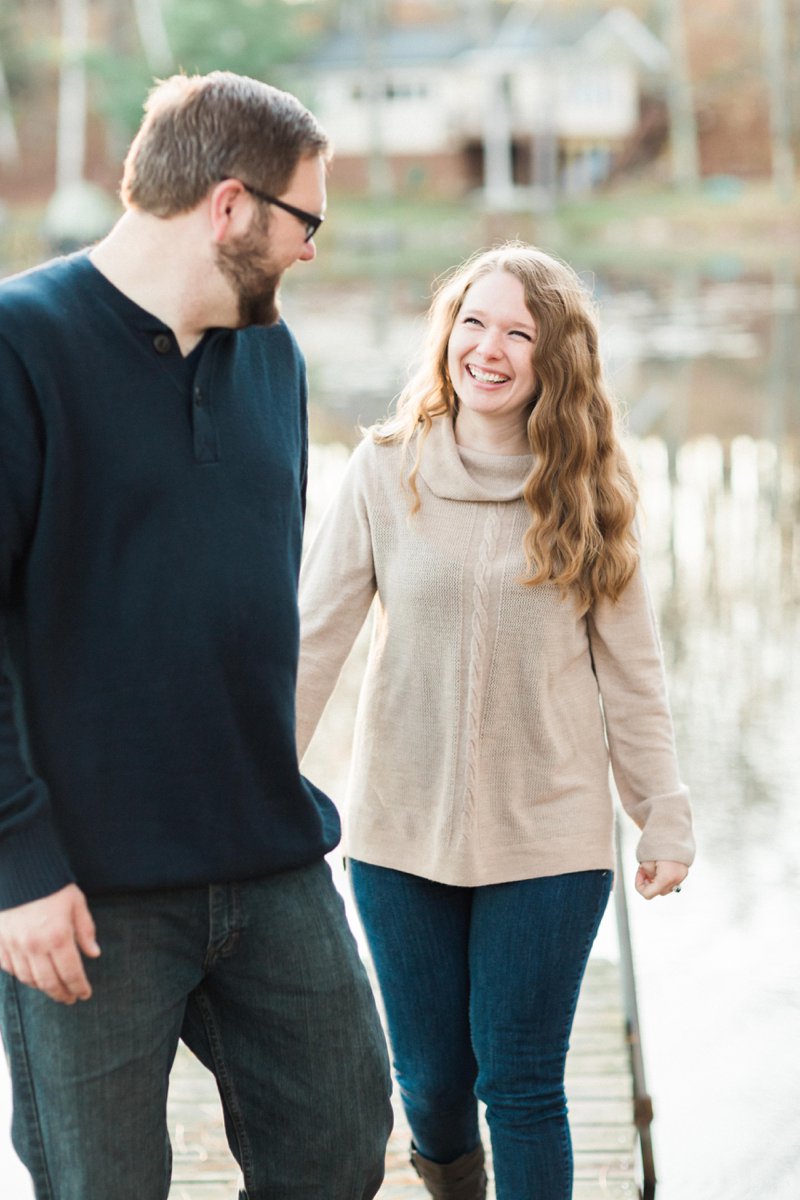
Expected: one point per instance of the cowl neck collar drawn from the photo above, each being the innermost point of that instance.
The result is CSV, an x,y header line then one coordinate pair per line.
x,y
454,473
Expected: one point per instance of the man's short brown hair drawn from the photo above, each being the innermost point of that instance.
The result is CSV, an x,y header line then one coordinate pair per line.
x,y
200,129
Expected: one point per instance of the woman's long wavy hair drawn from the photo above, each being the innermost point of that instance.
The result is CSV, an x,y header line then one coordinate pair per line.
x,y
581,490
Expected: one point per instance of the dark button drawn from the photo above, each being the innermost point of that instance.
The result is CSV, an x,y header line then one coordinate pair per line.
x,y
162,343
198,396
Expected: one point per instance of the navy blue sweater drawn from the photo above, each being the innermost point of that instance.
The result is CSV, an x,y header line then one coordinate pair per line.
x,y
151,512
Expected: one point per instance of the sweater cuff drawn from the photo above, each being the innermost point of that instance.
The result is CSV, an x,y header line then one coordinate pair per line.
x,y
32,864
673,845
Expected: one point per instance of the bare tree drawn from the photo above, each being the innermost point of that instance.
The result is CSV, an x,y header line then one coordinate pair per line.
x,y
153,35
71,129
371,25
680,97
78,211
773,17
498,175
9,145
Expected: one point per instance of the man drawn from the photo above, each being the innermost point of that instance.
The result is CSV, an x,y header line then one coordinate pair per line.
x,y
161,858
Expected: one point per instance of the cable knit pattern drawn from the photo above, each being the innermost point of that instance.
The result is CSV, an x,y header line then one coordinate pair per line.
x,y
477,657
481,751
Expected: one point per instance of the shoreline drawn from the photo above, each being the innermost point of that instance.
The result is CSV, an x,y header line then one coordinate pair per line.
x,y
726,224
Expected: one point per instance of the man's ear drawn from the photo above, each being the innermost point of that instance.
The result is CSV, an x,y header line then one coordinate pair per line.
x,y
226,204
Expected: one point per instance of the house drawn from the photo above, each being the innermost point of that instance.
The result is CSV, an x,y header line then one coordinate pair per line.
x,y
525,109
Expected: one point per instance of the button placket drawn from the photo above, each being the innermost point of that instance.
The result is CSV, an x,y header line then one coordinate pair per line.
x,y
206,443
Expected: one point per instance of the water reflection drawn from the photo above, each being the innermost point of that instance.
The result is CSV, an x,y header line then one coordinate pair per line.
x,y
707,355
725,569
719,977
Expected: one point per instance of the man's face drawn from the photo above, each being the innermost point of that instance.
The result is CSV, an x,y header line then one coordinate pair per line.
x,y
254,262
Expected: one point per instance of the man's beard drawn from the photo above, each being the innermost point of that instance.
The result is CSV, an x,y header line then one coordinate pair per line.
x,y
256,288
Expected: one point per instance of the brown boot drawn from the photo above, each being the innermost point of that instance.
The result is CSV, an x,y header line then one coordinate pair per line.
x,y
464,1179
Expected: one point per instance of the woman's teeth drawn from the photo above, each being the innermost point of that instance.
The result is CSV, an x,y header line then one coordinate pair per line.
x,y
486,376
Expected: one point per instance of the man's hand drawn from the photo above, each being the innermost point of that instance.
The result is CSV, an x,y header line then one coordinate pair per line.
x,y
659,878
41,944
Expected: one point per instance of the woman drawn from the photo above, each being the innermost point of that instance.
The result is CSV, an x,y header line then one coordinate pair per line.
x,y
493,518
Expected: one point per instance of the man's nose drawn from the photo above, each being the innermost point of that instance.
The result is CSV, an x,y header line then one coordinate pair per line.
x,y
309,252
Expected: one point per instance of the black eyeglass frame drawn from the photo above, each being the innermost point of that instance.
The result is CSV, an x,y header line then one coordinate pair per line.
x,y
311,221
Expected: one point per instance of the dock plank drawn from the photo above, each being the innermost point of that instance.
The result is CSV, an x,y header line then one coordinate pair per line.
x,y
599,1091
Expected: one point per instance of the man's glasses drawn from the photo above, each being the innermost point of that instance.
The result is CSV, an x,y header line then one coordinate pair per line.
x,y
310,220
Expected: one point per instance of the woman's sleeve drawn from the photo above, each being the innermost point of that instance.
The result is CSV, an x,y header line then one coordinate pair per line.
x,y
337,586
628,663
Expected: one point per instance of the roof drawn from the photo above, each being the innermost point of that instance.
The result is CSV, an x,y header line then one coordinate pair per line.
x,y
521,32
398,46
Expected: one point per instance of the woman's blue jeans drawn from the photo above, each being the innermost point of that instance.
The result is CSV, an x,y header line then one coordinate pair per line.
x,y
263,981
480,987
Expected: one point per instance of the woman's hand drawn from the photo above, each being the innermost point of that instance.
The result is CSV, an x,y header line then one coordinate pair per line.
x,y
659,878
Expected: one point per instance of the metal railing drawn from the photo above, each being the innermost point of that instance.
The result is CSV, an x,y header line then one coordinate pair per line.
x,y
642,1103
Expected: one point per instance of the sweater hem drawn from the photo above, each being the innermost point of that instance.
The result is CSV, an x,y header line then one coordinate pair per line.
x,y
530,865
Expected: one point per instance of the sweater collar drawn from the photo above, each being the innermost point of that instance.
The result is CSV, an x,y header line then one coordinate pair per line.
x,y
453,473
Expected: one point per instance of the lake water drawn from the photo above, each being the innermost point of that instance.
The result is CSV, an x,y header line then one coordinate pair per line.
x,y
708,365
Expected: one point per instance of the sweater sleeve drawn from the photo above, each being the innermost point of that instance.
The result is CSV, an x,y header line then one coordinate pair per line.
x,y
337,586
32,861
628,662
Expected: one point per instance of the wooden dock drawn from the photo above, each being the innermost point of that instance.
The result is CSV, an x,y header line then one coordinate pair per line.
x,y
599,1088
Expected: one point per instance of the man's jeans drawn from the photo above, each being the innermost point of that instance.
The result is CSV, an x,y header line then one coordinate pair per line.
x,y
263,981
480,987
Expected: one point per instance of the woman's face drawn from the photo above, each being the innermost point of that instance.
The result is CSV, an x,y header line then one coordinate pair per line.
x,y
490,349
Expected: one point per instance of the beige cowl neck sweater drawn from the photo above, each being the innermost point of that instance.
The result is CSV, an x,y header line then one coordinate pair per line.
x,y
480,751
